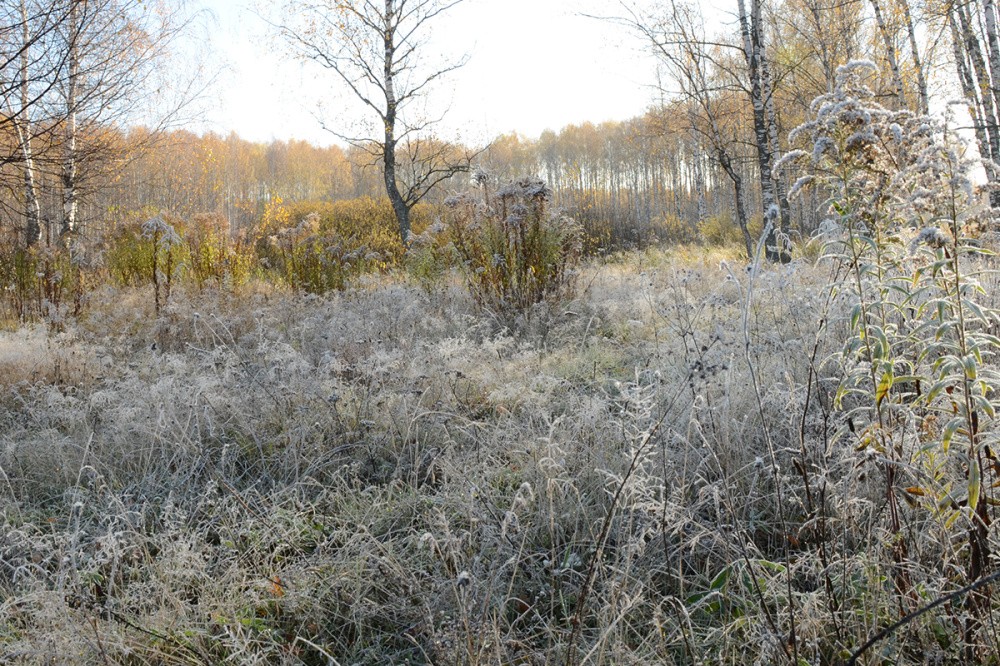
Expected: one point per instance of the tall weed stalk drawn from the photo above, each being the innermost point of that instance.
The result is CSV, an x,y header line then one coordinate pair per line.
x,y
516,250
918,384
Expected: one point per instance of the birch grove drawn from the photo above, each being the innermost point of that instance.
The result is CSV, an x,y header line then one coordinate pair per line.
x,y
700,158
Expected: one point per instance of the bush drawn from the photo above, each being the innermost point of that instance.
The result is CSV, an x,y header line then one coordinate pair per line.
x,y
720,231
676,230
148,253
430,257
918,365
321,246
515,251
40,281
214,256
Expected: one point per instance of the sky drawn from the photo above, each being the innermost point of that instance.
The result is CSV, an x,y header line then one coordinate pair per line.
x,y
533,65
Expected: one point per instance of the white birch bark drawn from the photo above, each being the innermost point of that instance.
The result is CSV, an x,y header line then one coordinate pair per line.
x,y
890,53
32,207
993,48
69,167
915,56
752,34
986,98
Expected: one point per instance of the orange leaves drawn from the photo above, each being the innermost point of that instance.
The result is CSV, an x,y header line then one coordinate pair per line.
x,y
276,586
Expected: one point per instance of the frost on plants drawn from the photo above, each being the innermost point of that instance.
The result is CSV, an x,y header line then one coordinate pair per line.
x,y
918,366
515,250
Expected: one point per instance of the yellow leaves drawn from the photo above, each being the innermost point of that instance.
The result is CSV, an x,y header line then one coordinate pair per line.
x,y
954,426
884,385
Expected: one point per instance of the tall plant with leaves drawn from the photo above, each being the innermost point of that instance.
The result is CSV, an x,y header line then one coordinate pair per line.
x,y
515,249
918,386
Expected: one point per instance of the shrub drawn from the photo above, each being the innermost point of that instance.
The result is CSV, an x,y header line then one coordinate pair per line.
x,y
307,261
40,281
214,256
430,257
721,231
148,253
514,249
321,246
676,230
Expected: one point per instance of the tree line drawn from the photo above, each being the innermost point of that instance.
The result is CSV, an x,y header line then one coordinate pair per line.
x,y
79,152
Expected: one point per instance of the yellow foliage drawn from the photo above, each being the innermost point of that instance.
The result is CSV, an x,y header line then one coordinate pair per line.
x,y
320,245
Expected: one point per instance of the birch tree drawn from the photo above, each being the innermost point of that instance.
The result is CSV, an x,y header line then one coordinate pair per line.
x,y
918,61
113,53
378,51
775,204
978,80
889,42
30,69
23,127
678,39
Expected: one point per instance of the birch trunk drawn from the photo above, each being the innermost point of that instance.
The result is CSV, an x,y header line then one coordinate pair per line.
x,y
32,207
69,169
767,87
752,48
890,53
982,78
915,55
965,78
399,205
993,47
983,125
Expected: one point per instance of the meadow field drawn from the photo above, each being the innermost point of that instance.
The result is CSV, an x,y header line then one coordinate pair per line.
x,y
647,473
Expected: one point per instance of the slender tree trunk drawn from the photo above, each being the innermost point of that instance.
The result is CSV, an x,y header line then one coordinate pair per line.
x,y
767,87
829,70
982,77
967,82
399,205
753,51
32,208
699,184
741,211
993,46
915,55
890,53
69,170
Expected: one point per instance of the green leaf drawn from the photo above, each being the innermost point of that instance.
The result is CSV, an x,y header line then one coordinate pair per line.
x,y
772,566
972,305
855,316
838,399
936,390
974,484
695,598
971,367
719,582
989,339
949,433
881,350
984,404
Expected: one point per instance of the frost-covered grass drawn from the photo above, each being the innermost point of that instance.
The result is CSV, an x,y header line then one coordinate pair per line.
x,y
380,476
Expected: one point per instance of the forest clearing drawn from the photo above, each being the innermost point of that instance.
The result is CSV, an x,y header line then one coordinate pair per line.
x,y
713,383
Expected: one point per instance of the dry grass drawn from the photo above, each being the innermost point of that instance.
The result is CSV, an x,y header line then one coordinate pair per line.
x,y
381,476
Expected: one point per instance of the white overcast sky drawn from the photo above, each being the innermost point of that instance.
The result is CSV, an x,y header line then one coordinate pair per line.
x,y
534,65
